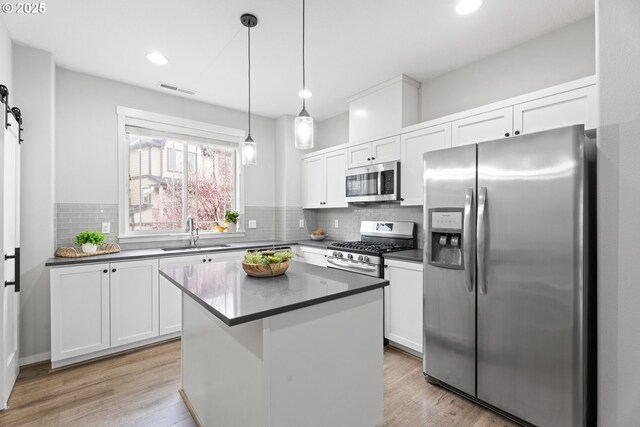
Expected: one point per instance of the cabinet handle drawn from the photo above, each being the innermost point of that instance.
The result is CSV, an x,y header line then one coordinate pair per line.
x,y
386,266
113,270
105,271
373,158
369,158
517,132
209,259
204,260
506,134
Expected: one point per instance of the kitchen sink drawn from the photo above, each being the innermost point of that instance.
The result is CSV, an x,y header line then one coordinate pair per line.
x,y
196,248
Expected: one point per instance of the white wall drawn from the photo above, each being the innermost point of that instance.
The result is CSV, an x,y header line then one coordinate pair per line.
x,y
332,131
33,93
558,57
618,208
87,134
287,164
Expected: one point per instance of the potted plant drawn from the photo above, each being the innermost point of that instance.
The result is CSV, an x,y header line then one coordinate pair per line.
x,y
231,219
89,241
266,263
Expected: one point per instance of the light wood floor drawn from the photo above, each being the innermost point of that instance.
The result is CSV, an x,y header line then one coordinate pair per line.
x,y
141,389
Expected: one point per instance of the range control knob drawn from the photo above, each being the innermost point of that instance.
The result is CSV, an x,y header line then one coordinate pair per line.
x,y
366,259
340,255
335,253
350,256
360,257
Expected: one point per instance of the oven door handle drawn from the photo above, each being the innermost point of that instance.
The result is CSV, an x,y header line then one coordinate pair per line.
x,y
348,264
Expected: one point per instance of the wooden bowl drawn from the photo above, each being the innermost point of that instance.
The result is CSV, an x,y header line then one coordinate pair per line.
x,y
271,270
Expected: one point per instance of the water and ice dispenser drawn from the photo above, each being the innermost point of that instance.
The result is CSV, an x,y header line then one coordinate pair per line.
x,y
445,237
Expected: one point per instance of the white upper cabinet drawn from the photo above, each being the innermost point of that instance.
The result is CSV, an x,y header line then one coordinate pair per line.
x,y
370,153
323,180
334,172
313,182
359,155
134,301
385,150
482,127
414,145
564,109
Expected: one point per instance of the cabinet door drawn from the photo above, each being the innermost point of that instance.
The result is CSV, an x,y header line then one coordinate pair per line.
x,y
170,309
482,127
134,301
79,310
564,109
413,146
313,182
403,304
359,155
385,150
335,167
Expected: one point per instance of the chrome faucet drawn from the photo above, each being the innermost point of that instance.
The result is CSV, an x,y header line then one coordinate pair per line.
x,y
191,229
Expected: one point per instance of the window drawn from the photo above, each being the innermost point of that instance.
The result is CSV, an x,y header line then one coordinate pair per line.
x,y
159,189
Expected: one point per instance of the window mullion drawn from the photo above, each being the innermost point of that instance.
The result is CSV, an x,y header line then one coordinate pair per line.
x,y
185,180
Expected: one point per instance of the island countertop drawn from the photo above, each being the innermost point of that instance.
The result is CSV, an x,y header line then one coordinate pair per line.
x,y
225,290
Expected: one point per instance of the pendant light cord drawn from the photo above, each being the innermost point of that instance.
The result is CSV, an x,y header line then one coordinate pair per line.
x,y
304,85
249,74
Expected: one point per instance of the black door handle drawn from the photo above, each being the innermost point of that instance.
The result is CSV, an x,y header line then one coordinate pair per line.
x,y
105,271
506,134
113,270
209,259
517,132
16,270
204,260
373,158
369,158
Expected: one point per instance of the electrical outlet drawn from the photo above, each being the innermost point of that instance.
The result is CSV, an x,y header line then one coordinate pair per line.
x,y
106,227
335,224
252,223
302,223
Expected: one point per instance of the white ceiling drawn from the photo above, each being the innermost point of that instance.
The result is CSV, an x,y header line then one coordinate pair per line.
x,y
351,44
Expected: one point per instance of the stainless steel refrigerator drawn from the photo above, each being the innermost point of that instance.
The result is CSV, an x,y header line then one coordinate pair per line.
x,y
509,275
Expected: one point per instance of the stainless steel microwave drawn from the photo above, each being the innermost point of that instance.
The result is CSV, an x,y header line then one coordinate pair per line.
x,y
375,183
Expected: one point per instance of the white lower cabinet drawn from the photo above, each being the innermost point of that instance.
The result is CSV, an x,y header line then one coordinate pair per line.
x,y
171,297
134,301
79,310
311,255
403,304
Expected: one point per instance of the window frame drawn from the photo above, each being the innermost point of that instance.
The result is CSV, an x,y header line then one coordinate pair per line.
x,y
134,117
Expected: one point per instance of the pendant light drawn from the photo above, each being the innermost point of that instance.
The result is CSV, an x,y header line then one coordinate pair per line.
x,y
249,149
304,122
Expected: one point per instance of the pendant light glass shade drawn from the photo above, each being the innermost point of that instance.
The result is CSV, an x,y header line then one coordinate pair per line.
x,y
303,124
249,148
249,152
303,130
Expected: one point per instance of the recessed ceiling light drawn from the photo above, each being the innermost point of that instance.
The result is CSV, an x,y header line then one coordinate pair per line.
x,y
305,93
466,7
157,58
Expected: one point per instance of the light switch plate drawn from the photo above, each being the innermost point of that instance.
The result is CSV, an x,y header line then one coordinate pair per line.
x,y
106,227
302,223
336,224
252,223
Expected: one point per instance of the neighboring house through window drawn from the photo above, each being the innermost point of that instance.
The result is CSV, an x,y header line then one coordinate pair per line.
x,y
159,189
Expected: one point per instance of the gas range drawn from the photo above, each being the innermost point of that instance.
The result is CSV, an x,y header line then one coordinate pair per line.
x,y
366,255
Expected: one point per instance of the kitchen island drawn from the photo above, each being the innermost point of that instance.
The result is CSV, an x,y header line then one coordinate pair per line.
x,y
302,349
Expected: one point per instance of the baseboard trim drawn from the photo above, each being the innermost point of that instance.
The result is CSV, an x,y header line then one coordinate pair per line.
x,y
189,406
35,359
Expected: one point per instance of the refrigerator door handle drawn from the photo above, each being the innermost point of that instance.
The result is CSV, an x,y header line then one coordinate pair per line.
x,y
467,239
481,240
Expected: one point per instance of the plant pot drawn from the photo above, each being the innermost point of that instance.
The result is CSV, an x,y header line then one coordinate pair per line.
x,y
271,270
89,248
231,227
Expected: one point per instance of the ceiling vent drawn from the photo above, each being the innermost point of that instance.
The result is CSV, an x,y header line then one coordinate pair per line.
x,y
175,88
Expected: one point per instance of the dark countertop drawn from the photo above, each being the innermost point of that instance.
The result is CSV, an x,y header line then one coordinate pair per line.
x,y
411,255
158,252
224,289
317,244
